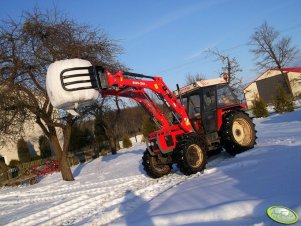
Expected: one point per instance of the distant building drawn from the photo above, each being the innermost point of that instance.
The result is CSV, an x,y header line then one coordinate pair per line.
x,y
8,148
265,86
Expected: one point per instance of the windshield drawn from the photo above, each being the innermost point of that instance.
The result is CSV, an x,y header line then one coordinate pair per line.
x,y
225,96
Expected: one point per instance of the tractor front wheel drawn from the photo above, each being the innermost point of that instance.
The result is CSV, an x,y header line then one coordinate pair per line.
x,y
192,157
154,166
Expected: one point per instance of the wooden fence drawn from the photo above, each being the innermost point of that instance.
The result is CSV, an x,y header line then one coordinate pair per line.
x,y
22,169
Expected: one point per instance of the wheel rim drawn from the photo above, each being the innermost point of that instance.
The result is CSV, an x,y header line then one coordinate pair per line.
x,y
242,132
194,156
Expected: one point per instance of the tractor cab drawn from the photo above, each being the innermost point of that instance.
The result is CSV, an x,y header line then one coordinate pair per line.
x,y
205,102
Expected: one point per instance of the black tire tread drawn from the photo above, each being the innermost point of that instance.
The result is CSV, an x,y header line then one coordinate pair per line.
x,y
182,146
151,169
227,140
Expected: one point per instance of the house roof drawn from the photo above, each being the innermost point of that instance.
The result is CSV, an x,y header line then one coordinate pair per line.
x,y
287,69
291,69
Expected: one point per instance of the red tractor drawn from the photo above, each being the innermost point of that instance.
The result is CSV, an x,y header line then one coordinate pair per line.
x,y
206,114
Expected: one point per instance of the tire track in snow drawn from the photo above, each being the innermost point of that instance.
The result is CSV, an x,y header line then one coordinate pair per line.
x,y
69,188
133,199
45,197
109,205
37,218
105,204
101,203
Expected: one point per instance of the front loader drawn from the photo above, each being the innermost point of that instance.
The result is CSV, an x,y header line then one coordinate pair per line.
x,y
194,132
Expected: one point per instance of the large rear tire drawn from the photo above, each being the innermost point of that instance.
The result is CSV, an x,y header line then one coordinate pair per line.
x,y
192,157
238,132
153,165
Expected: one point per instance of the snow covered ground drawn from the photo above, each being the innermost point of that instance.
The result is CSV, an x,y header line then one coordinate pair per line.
x,y
114,190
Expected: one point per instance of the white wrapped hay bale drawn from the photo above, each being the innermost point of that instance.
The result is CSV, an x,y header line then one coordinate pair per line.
x,y
63,99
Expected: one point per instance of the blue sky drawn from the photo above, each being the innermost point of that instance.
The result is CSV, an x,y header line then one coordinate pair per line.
x,y
168,37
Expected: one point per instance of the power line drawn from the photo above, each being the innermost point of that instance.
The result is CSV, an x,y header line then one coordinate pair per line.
x,y
291,28
226,50
180,65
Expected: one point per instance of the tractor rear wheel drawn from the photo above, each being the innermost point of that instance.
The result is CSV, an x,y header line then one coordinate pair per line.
x,y
153,165
238,132
192,156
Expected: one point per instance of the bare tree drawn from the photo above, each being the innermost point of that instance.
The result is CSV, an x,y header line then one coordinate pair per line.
x,y
270,50
231,68
109,119
190,78
27,47
112,123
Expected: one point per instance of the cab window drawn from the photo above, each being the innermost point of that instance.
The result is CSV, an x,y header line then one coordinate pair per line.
x,y
194,105
209,98
225,96
184,102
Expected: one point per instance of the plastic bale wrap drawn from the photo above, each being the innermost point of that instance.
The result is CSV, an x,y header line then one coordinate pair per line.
x,y
68,100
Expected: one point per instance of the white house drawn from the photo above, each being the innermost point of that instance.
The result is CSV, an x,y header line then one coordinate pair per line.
x,y
32,132
265,85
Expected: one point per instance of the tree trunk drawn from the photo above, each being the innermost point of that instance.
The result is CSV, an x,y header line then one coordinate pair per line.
x,y
65,167
288,84
113,145
4,169
61,156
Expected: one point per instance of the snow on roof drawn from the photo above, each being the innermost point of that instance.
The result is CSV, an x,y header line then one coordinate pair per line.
x,y
199,84
288,69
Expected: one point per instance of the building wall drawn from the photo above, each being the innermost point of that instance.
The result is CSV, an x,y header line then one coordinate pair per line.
x,y
251,92
32,131
295,81
268,74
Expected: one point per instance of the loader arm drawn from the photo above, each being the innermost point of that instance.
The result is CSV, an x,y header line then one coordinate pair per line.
x,y
135,86
126,84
